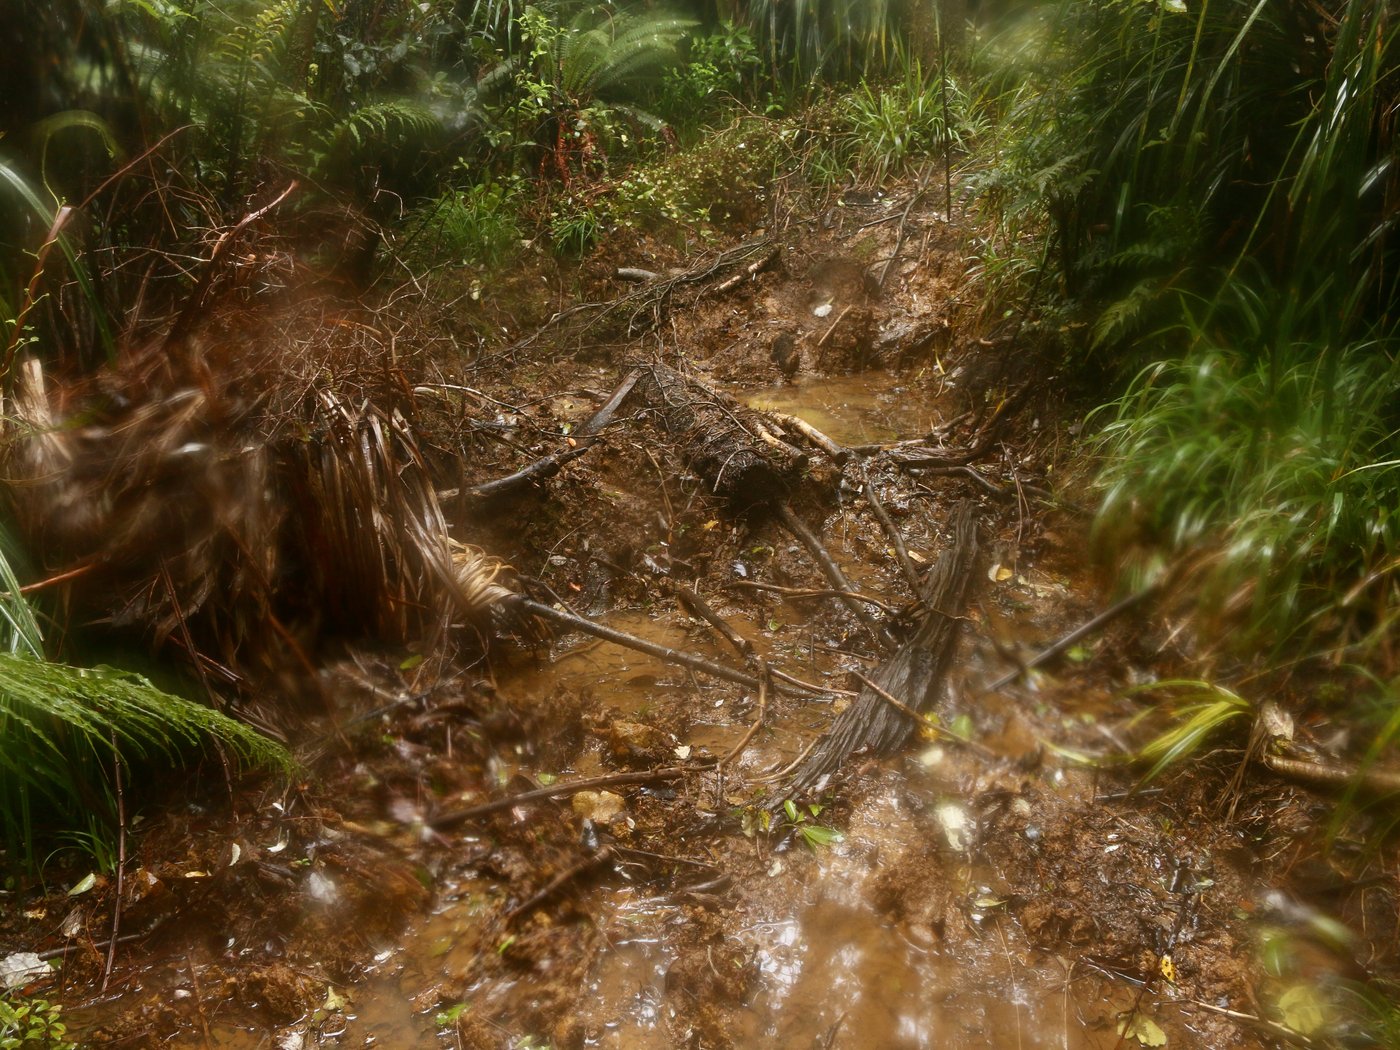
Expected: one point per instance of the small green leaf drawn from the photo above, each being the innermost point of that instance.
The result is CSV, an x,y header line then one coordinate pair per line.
x,y
790,808
447,1018
411,662
815,835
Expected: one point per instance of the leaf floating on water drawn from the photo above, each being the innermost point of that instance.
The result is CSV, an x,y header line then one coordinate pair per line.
x,y
1302,1009
1142,1028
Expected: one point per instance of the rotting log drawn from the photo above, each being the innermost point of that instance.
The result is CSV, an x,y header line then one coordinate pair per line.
x,y
720,439
914,674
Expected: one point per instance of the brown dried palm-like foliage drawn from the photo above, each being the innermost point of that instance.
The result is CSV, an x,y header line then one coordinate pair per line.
x,y
241,503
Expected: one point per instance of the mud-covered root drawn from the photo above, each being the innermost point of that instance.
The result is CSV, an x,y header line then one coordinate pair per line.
x,y
739,453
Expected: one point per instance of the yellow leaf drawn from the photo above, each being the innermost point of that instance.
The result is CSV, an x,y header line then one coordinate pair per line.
x,y
1168,968
1302,1009
1142,1028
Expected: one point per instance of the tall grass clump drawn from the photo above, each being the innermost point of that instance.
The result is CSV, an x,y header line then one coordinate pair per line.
x,y
1203,195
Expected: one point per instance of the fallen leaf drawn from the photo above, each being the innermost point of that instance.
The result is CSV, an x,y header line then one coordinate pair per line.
x,y
20,969
88,882
1142,1028
1302,1009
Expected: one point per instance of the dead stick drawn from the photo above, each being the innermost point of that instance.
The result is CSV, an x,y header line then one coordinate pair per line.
x,y
63,577
1376,781
631,641
827,335
811,592
453,817
839,453
923,720
824,561
199,1001
699,607
548,466
797,457
911,574
1045,655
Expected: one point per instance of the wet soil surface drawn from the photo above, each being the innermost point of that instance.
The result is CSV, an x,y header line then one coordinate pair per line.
x,y
998,883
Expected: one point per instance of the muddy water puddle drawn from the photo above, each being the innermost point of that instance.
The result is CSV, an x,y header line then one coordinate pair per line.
x,y
867,408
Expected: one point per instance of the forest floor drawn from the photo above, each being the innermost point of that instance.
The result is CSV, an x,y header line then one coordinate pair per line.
x,y
1002,881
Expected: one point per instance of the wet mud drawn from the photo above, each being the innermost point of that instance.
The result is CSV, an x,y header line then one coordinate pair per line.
x,y
998,883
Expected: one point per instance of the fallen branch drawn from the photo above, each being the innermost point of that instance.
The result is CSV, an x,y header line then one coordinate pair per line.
x,y
699,607
631,641
634,273
923,721
828,566
839,454
550,465
1049,653
453,817
811,592
597,857
1325,774
749,272
901,552
719,438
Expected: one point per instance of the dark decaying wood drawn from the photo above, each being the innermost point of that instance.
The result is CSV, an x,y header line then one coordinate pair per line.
x,y
914,674
719,438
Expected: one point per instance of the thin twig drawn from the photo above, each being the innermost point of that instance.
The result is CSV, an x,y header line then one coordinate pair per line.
x,y
828,566
812,592
1050,652
454,817
757,723
699,607
199,1001
906,565
923,720
121,865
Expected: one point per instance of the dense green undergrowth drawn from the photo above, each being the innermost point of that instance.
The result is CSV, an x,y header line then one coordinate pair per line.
x,y
1200,200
